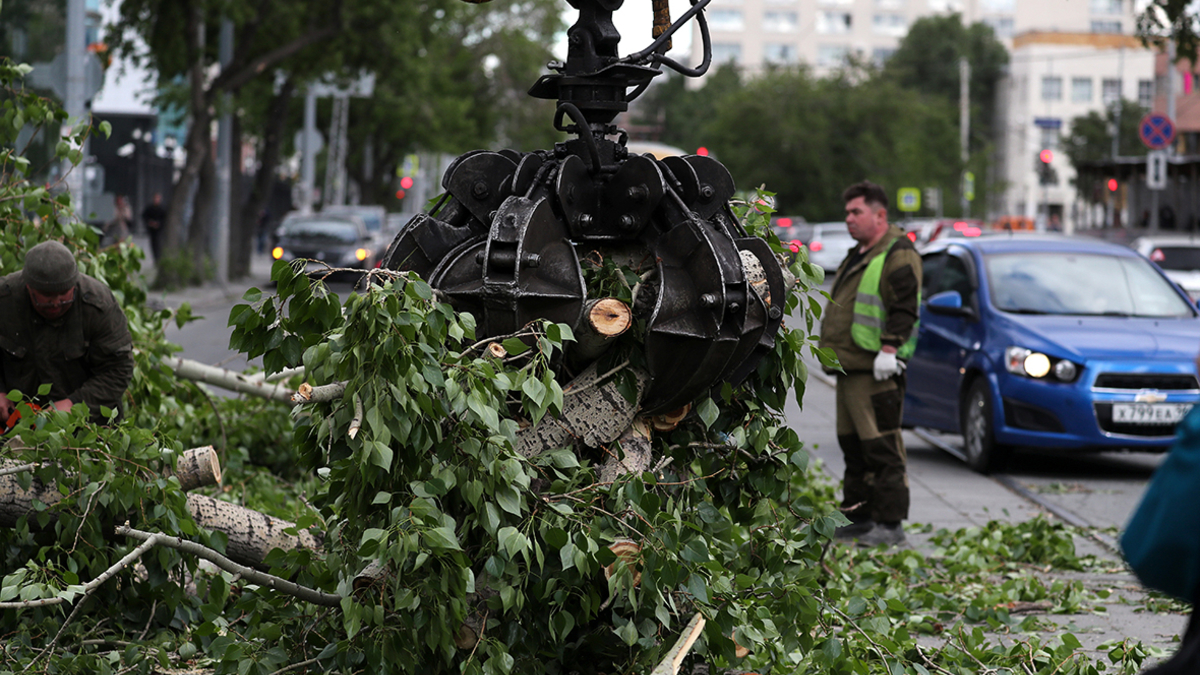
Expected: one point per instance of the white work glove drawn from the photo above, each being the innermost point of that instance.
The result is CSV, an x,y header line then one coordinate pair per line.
x,y
887,365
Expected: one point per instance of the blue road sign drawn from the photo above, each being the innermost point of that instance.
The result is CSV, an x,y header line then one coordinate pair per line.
x,y
1156,131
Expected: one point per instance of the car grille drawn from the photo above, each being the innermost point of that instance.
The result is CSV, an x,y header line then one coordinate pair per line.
x,y
1104,417
1138,381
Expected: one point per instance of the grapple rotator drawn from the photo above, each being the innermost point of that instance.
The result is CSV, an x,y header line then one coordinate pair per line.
x,y
505,241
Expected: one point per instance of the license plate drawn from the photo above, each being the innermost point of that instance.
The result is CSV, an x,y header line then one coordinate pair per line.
x,y
1150,413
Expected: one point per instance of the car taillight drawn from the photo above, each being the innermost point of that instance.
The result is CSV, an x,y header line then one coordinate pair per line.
x,y
1157,255
972,232
815,246
912,236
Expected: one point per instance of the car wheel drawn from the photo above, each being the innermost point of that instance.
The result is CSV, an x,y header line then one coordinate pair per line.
x,y
982,452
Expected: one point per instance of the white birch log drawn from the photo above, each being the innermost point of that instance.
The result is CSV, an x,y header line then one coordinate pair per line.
x,y
593,414
227,379
630,454
196,468
251,534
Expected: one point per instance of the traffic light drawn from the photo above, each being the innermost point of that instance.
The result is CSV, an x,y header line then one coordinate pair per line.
x,y
406,182
1046,173
1113,185
702,151
399,194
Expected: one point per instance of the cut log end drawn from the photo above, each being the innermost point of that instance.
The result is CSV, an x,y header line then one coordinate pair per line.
x,y
610,317
198,467
670,420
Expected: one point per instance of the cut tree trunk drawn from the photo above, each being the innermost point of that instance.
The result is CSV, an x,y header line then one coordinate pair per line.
x,y
196,468
606,319
593,414
251,534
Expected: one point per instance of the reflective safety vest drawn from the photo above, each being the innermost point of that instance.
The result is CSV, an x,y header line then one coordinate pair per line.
x,y
868,310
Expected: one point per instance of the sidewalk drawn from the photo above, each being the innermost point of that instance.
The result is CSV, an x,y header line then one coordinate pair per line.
x,y
946,494
211,293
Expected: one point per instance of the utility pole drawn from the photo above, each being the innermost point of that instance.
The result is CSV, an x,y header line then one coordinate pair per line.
x,y
964,127
308,170
76,52
220,234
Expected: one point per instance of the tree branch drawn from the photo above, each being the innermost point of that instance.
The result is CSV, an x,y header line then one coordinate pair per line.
x,y
247,573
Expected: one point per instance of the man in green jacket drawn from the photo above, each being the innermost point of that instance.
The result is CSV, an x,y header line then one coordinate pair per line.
x,y
871,324
61,328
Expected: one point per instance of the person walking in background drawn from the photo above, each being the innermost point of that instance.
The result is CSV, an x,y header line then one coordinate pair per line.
x,y
154,216
871,324
117,229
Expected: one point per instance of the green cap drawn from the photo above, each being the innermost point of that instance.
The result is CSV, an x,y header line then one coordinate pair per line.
x,y
50,268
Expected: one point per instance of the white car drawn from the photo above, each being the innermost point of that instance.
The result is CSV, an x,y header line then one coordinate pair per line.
x,y
1178,256
828,245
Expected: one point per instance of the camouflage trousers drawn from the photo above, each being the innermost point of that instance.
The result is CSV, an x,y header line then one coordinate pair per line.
x,y
875,486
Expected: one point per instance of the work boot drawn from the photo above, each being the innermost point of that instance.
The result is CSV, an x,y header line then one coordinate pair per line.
x,y
853,530
886,534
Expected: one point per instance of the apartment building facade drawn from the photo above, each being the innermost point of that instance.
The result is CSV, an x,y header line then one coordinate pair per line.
x,y
824,33
1053,78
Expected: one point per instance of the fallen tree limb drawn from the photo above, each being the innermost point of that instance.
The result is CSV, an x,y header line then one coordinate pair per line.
x,y
227,379
604,320
249,574
307,393
197,467
594,413
87,588
251,534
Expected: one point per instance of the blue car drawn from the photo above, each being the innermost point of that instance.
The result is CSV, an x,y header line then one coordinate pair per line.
x,y
1041,341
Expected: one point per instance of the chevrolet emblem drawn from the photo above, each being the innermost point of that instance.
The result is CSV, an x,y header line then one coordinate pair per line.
x,y
1150,396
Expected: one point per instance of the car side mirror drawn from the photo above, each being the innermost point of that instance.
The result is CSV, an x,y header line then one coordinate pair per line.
x,y
949,303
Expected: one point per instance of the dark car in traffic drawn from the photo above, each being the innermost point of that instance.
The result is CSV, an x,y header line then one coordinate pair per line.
x,y
326,242
1044,341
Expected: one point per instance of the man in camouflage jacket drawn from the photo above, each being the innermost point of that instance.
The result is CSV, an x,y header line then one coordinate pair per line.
x,y
61,328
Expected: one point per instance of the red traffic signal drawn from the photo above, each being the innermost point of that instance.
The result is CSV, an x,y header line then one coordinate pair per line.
x,y
399,194
406,182
1112,185
702,151
1046,156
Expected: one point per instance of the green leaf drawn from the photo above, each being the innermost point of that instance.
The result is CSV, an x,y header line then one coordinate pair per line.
x,y
708,412
441,538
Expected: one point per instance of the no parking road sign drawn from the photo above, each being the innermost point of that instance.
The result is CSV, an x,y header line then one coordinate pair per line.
x,y
1156,131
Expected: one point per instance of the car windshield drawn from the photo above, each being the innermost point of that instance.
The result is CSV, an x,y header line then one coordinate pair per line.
x,y
1080,284
370,218
327,230
1178,258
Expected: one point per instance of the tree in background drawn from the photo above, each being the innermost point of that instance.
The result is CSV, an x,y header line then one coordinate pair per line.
x,y
1091,137
432,85
807,138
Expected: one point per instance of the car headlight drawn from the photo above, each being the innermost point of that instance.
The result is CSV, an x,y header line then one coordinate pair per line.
x,y
356,256
1028,363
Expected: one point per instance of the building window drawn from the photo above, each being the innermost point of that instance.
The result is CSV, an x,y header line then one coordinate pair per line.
x,y
1106,6
889,4
1106,26
1146,93
889,24
829,56
726,20
837,2
1049,138
1110,90
833,23
880,55
781,22
781,53
945,5
723,52
999,6
1002,26
1051,88
1081,89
